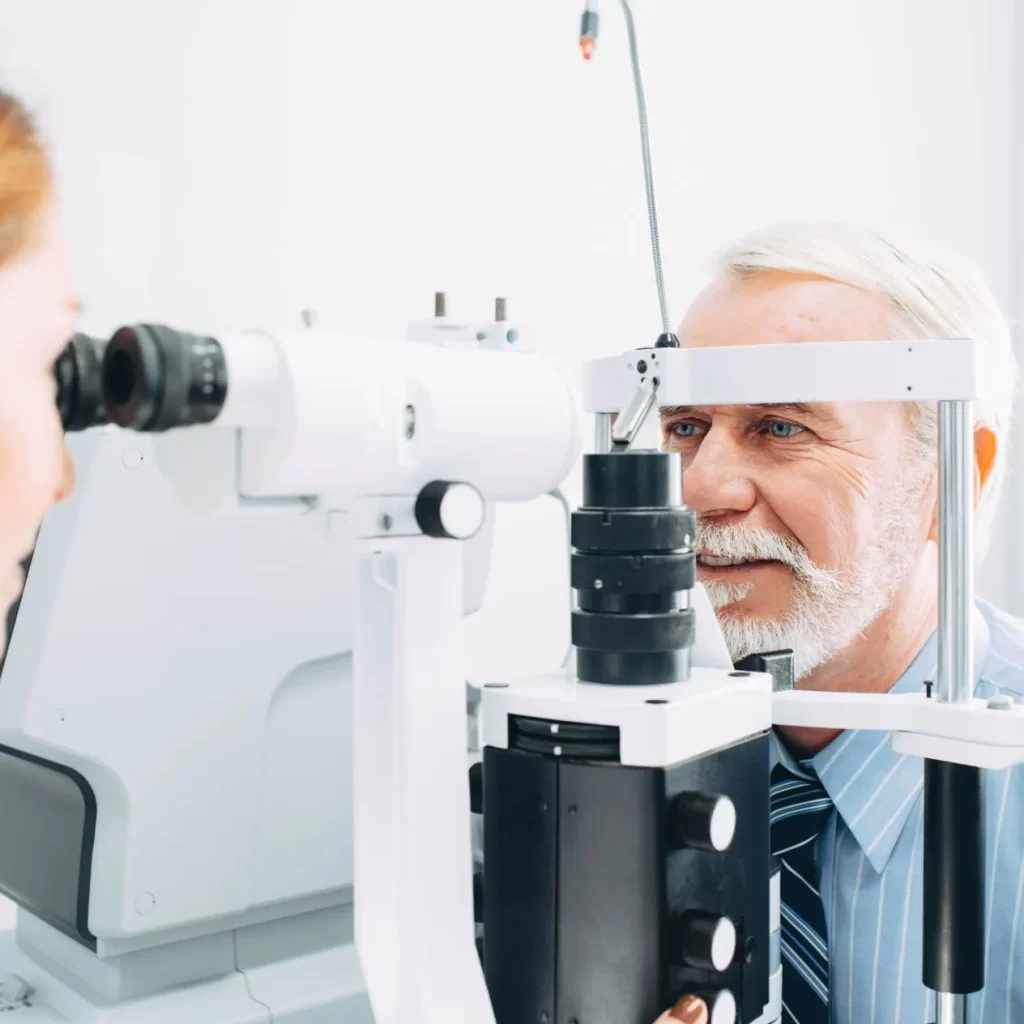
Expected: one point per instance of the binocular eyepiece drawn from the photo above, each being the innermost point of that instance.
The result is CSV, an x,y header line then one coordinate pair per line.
x,y
79,392
147,377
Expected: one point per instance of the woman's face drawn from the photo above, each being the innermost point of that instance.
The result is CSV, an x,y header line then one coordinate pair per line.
x,y
38,313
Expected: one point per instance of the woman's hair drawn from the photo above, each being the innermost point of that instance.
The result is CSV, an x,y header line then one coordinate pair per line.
x,y
25,181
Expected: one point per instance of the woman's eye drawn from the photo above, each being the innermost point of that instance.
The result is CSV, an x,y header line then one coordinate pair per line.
x,y
779,428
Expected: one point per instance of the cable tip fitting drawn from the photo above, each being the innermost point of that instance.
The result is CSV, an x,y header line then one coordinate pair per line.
x,y
588,32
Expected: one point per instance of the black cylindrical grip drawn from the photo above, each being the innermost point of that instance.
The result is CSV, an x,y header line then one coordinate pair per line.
x,y
654,530
954,875
643,668
627,604
670,631
633,479
634,574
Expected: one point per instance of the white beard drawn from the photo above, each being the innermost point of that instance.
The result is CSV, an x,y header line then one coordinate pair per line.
x,y
830,608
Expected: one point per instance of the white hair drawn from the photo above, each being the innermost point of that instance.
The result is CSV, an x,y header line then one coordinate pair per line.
x,y
934,294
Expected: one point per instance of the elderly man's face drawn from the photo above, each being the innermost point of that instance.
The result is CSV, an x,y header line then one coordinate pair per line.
x,y
809,517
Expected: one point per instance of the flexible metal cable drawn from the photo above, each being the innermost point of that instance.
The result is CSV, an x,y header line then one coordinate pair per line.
x,y
645,145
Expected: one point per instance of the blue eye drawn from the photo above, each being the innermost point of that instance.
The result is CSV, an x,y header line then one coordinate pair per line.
x,y
684,429
780,428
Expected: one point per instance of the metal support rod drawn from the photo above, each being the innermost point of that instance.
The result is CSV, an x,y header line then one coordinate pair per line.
x,y
628,422
956,552
603,432
954,849
950,1009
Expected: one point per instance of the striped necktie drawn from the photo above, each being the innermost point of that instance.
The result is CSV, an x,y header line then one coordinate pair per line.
x,y
799,809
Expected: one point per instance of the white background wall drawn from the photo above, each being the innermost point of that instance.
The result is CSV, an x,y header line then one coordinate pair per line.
x,y
236,161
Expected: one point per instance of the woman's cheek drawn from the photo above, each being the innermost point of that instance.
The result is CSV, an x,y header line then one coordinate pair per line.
x,y
31,456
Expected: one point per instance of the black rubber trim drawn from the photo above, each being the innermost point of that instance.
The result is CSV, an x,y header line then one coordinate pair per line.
x,y
646,668
778,664
632,479
664,573
79,931
650,530
671,631
78,377
574,740
623,603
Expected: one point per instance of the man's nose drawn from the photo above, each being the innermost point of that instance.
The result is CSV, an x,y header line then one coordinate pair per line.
x,y
67,476
717,480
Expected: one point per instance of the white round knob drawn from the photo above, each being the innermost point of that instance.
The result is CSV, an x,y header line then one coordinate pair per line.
x,y
462,511
452,510
704,822
722,827
723,944
722,1009
708,941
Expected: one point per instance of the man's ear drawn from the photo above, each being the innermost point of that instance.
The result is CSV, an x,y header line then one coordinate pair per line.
x,y
985,448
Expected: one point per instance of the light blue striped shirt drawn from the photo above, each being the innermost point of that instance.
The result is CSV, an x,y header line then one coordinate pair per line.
x,y
870,858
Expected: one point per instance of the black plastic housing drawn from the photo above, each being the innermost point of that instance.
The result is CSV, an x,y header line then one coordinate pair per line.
x,y
584,888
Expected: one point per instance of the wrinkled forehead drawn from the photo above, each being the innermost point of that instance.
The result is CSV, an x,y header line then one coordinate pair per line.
x,y
774,307
779,307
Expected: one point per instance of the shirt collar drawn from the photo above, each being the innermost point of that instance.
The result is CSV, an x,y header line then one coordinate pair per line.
x,y
873,788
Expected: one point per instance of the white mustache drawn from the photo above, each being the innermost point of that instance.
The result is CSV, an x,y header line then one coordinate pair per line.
x,y
750,544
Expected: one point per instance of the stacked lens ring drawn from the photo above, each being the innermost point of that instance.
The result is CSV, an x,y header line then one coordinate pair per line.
x,y
633,566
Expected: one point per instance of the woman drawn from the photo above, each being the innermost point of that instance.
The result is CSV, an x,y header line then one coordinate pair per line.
x,y
38,311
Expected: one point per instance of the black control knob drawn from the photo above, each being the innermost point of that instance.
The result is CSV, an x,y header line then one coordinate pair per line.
x,y
450,510
706,941
702,821
476,788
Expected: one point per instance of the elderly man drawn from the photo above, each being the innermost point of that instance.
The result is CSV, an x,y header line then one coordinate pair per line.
x,y
817,532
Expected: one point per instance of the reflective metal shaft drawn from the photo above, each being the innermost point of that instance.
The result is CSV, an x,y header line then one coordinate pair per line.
x,y
956,551
950,1009
956,591
628,422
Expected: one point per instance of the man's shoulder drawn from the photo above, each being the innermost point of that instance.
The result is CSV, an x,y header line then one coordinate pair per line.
x,y
1003,670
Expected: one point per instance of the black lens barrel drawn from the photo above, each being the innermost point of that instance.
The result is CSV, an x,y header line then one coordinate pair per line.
x,y
631,568
156,378
79,385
